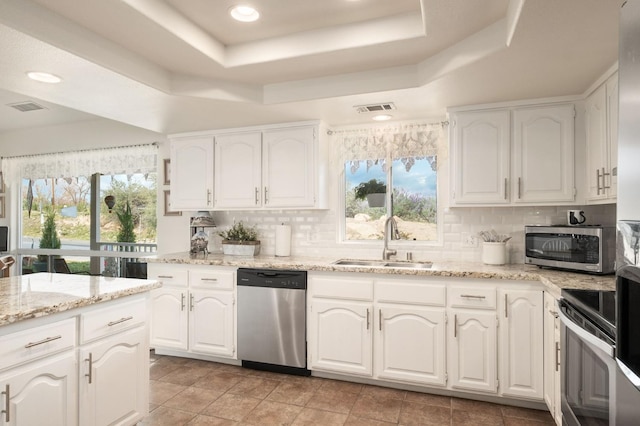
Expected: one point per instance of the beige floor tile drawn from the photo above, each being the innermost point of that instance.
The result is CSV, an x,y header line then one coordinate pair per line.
x,y
158,370
185,376
526,413
359,421
273,413
202,420
380,392
193,399
160,392
517,421
333,400
429,399
292,393
255,387
218,380
384,409
474,418
340,386
313,417
478,407
232,407
415,414
163,416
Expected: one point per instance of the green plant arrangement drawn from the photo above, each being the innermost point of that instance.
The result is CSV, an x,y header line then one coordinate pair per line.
x,y
240,240
374,186
126,232
49,238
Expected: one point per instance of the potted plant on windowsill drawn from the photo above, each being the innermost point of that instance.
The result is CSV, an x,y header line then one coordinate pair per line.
x,y
373,191
240,240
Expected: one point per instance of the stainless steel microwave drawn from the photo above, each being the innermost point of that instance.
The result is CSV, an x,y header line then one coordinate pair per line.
x,y
584,248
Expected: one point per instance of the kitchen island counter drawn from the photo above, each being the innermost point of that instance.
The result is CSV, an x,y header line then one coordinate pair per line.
x,y
38,295
553,280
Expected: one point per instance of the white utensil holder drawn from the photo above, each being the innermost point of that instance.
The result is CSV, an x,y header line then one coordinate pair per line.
x,y
494,253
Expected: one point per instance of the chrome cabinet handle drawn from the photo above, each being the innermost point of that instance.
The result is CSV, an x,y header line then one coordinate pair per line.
x,y
208,197
598,181
42,342
121,320
182,297
266,197
472,296
380,319
191,302
506,304
367,318
519,188
257,192
90,374
604,185
7,401
455,325
505,188
557,355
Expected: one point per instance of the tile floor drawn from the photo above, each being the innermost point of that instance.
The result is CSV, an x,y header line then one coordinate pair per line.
x,y
193,392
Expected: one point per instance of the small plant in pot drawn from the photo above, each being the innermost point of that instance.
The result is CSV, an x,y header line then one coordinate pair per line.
x,y
240,240
373,191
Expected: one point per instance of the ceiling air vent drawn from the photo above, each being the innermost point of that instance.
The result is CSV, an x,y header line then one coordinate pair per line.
x,y
26,106
387,106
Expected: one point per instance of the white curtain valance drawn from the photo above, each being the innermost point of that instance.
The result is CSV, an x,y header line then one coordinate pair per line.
x,y
376,145
108,161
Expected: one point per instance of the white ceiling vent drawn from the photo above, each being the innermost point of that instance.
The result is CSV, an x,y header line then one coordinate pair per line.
x,y
26,106
387,106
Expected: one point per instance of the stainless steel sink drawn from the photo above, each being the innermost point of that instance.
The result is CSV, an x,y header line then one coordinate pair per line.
x,y
383,264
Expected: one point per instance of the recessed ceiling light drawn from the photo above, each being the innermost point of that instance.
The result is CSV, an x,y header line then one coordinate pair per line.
x,y
44,77
382,117
244,13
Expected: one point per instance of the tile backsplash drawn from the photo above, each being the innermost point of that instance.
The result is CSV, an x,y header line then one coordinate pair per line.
x,y
315,233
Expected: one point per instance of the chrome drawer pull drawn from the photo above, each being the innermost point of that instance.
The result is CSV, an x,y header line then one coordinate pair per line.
x,y
42,342
165,276
182,297
472,296
455,326
90,360
7,401
121,320
557,355
367,318
209,279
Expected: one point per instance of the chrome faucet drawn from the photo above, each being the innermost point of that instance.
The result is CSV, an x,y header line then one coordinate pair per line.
x,y
390,227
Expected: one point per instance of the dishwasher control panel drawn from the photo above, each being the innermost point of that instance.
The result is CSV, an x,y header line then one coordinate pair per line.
x,y
295,280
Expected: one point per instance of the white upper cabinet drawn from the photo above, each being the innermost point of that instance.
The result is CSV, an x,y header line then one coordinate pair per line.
x,y
522,155
238,165
480,156
543,154
601,117
191,173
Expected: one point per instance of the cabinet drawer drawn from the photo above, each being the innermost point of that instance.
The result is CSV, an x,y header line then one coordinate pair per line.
x,y
115,317
212,279
27,345
412,293
169,275
472,297
342,288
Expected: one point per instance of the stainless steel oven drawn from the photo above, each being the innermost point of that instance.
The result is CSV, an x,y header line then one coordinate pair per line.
x,y
588,357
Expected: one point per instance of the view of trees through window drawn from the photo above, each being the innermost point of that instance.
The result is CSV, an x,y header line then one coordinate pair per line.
x,y
414,192
69,200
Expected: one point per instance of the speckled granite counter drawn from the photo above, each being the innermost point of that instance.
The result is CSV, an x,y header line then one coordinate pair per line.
x,y
553,280
38,295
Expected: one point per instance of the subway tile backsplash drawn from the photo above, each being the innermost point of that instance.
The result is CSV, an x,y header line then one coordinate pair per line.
x,y
315,233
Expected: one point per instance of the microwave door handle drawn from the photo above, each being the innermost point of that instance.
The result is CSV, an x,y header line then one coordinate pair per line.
x,y
585,335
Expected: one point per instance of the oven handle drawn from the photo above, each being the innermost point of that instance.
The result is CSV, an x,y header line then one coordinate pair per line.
x,y
584,334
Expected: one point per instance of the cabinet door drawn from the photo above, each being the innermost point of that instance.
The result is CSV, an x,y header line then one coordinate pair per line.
x,y
211,322
473,359
543,154
238,170
289,167
41,393
480,169
410,344
340,336
596,133
521,342
612,136
114,378
169,318
552,396
192,173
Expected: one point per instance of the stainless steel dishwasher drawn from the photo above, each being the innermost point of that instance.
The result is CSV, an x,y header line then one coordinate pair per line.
x,y
272,320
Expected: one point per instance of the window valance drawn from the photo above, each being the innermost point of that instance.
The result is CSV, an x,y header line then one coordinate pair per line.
x,y
107,161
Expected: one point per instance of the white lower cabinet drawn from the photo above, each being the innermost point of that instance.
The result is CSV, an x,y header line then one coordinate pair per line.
x,y
521,342
552,377
41,393
194,310
114,376
473,351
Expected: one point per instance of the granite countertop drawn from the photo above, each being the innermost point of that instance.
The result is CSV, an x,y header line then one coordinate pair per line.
x,y
552,279
37,295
